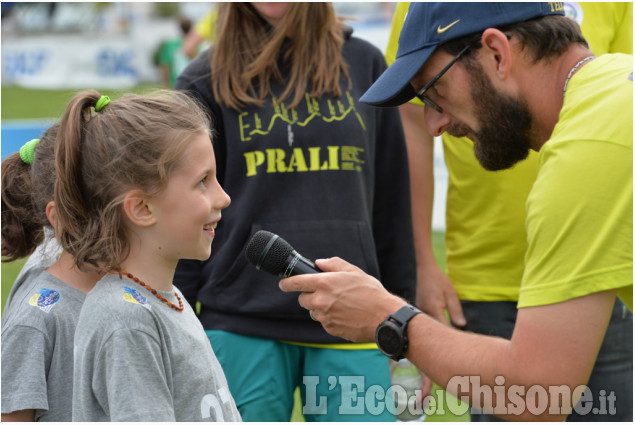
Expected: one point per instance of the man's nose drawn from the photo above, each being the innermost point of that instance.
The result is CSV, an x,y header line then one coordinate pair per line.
x,y
435,122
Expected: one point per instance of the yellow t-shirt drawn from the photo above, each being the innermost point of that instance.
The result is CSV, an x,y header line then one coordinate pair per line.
x,y
485,211
608,27
580,209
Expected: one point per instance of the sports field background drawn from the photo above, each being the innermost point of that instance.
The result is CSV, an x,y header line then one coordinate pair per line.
x,y
28,104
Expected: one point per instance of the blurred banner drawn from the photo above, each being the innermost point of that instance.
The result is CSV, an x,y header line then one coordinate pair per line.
x,y
112,45
69,61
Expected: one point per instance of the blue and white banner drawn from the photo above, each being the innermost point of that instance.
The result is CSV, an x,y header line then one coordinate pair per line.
x,y
69,61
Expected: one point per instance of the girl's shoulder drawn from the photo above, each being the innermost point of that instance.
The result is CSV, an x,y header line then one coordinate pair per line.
x,y
117,303
120,309
110,294
40,300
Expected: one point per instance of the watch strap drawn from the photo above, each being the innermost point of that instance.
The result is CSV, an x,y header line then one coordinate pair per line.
x,y
397,323
404,314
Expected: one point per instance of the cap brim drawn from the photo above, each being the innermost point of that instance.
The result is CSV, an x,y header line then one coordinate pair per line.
x,y
393,88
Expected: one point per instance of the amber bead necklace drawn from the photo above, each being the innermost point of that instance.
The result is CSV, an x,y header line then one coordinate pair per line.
x,y
154,291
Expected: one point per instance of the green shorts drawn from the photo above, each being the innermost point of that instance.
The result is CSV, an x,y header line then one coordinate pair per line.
x,y
335,385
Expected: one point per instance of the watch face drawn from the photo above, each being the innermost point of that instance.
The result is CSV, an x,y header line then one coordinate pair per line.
x,y
389,339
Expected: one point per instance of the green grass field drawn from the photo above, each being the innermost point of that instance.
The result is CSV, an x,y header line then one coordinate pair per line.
x,y
9,273
18,103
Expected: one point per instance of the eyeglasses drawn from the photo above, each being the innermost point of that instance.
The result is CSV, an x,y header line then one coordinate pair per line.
x,y
421,93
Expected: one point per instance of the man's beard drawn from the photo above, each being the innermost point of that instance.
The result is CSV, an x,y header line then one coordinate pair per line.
x,y
505,125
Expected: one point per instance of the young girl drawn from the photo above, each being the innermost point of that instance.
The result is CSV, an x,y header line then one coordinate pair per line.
x,y
41,314
136,192
300,157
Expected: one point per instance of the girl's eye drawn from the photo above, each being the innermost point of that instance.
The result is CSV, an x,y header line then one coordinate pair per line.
x,y
203,182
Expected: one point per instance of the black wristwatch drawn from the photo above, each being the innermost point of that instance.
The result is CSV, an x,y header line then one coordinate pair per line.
x,y
391,336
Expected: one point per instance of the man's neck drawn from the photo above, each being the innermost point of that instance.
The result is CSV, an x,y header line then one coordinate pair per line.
x,y
545,81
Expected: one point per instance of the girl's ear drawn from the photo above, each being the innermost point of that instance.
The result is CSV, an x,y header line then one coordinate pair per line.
x,y
50,213
137,209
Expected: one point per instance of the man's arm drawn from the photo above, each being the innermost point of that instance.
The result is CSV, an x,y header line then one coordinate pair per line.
x,y
191,43
552,346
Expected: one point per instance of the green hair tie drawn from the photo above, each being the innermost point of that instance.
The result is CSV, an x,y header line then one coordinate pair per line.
x,y
103,101
28,150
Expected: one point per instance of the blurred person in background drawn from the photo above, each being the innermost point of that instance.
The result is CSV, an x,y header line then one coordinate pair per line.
x,y
301,157
7,8
171,58
485,225
202,35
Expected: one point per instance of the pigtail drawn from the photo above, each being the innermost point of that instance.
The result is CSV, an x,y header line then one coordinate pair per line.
x,y
70,204
22,224
28,178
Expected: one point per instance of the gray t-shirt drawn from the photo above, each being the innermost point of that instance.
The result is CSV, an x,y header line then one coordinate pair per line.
x,y
43,257
137,359
38,327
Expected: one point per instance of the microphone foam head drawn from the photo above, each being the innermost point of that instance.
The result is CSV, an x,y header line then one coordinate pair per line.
x,y
268,252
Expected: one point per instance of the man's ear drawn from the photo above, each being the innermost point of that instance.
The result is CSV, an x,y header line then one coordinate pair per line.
x,y
138,209
496,44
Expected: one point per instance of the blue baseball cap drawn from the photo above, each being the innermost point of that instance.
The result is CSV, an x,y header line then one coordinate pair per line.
x,y
427,25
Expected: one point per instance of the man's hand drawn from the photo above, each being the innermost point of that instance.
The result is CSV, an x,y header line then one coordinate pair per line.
x,y
348,302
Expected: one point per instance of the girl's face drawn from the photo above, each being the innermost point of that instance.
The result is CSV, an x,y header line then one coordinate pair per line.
x,y
272,12
189,208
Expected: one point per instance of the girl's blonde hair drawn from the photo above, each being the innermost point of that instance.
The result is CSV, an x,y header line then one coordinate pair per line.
x,y
246,57
135,142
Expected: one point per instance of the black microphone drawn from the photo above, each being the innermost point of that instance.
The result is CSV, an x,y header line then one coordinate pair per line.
x,y
272,254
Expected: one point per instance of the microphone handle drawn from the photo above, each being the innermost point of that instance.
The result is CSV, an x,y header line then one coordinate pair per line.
x,y
297,264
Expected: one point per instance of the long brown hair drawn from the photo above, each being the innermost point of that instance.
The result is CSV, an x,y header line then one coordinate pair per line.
x,y
135,142
245,58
